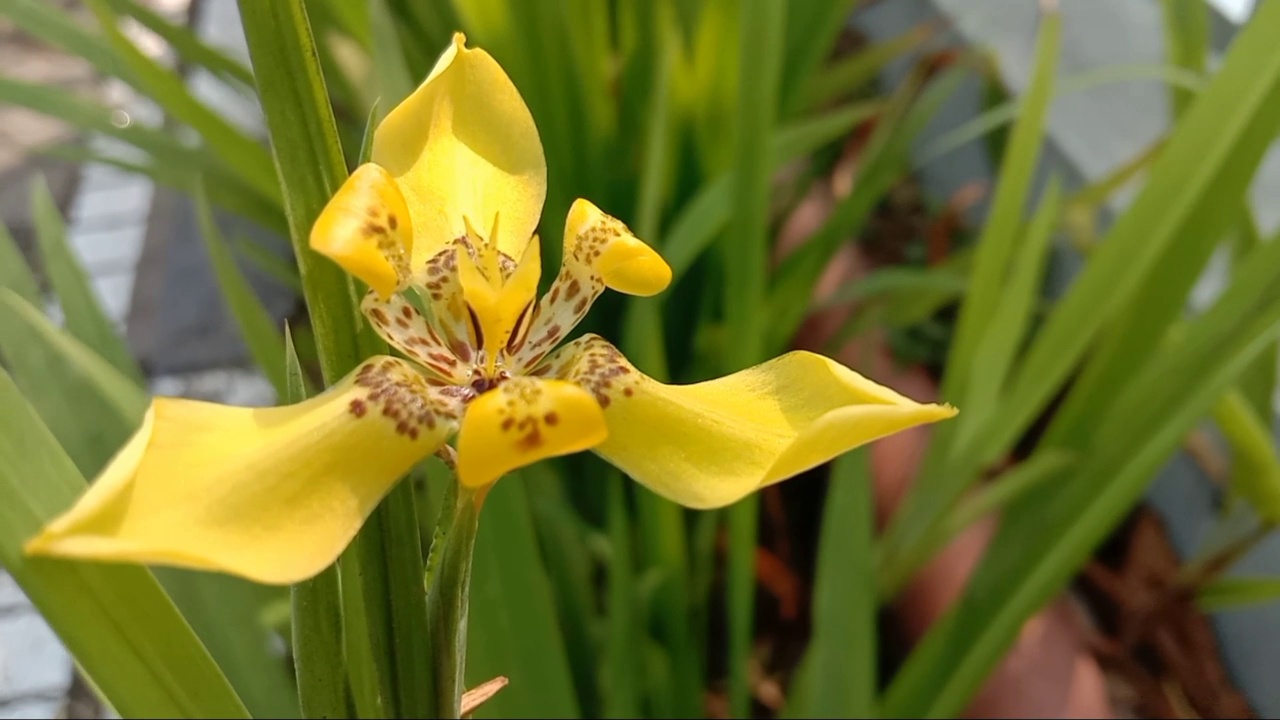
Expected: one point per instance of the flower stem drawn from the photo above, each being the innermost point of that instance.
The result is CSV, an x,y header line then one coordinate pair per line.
x,y
448,582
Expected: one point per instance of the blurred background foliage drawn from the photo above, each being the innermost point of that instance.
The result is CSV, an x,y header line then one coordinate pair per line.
x,y
703,124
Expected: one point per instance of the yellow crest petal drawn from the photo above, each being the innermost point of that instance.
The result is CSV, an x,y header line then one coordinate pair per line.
x,y
521,422
366,228
599,252
464,145
270,494
623,261
710,444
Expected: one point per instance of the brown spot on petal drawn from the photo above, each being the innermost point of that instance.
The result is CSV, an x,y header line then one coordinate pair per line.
x,y
551,418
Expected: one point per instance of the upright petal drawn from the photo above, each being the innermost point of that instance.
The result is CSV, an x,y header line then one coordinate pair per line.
x,y
271,494
365,228
521,422
464,146
599,252
709,444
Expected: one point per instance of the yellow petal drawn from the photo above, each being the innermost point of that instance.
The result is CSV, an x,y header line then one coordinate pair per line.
x,y
271,494
521,422
709,444
622,261
464,145
599,252
366,228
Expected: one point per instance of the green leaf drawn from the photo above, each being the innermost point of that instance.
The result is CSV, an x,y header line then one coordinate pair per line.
x,y
309,164
180,171
1186,36
87,404
709,210
998,116
256,325
394,79
1192,196
265,259
14,272
745,250
84,316
1140,320
1231,593
514,631
882,162
998,243
380,579
122,629
856,71
1004,331
837,677
622,647
1048,534
1255,471
809,30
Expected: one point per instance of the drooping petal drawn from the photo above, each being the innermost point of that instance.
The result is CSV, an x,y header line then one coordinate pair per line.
x,y
271,494
404,328
709,444
366,229
521,422
599,252
464,145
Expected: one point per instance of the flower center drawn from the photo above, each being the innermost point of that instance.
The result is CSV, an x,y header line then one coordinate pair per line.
x,y
482,382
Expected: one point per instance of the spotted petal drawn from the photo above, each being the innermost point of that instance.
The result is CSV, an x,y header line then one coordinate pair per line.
x,y
709,444
270,494
463,147
521,422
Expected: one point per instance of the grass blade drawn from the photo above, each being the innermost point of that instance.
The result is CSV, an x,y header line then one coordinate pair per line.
x,y
14,272
707,213
86,403
621,694
1238,592
1050,532
746,257
1193,193
837,677
85,318
513,618
257,327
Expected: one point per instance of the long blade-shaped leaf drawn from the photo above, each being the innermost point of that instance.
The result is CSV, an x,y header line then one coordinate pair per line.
x,y
837,677
14,272
1193,193
257,327
1050,532
88,405
746,260
84,316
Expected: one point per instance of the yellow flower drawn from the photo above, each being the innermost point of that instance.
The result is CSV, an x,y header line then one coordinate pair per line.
x,y
443,219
